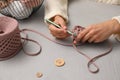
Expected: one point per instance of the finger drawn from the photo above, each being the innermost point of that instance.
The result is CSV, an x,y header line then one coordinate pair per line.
x,y
82,34
63,26
62,23
97,41
100,39
58,23
60,36
59,33
74,42
89,35
56,31
57,36
92,39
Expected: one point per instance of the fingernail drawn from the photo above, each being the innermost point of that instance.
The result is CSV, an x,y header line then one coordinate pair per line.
x,y
74,42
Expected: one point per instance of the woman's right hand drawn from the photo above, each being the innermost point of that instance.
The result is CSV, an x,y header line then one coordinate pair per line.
x,y
59,33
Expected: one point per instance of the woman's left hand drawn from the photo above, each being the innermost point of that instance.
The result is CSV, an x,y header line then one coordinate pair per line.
x,y
98,32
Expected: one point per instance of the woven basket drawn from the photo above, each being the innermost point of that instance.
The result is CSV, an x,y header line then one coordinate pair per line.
x,y
19,9
10,40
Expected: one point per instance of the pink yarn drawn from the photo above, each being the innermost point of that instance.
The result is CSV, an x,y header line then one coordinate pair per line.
x,y
10,40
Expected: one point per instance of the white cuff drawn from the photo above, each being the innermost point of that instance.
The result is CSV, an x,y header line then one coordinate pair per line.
x,y
54,13
117,36
117,18
56,7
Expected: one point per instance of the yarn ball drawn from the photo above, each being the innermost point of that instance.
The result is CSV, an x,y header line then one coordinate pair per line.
x,y
10,39
20,9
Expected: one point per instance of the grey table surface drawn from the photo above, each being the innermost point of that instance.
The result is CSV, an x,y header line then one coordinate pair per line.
x,y
81,12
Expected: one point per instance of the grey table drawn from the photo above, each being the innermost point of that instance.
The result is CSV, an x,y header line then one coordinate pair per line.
x,y
81,12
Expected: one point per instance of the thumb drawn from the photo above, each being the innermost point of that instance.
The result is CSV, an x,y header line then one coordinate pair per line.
x,y
63,24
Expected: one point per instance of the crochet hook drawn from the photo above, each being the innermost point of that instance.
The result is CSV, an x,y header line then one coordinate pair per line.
x,y
58,26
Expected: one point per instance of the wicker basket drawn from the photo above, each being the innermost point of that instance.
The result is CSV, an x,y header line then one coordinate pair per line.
x,y
19,9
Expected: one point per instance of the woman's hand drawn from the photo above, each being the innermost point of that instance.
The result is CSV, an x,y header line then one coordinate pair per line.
x,y
99,32
60,33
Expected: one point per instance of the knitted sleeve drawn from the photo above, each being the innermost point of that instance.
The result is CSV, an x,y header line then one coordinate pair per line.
x,y
56,7
117,35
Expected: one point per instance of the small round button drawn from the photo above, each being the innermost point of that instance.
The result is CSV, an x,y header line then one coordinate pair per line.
x,y
59,62
39,75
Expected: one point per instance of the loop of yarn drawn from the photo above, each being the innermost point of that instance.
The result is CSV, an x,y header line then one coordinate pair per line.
x,y
77,30
91,61
10,39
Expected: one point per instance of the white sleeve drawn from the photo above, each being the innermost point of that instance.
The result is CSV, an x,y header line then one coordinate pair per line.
x,y
56,7
117,18
117,35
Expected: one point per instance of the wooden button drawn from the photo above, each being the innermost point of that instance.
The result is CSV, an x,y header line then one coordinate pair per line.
x,y
39,75
59,62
